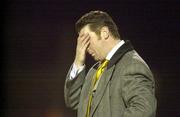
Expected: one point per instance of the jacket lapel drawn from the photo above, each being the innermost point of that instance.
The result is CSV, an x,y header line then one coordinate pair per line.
x,y
105,78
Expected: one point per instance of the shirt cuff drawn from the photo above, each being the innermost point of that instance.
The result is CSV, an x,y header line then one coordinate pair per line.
x,y
75,71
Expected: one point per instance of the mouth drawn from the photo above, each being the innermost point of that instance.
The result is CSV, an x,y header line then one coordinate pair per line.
x,y
92,54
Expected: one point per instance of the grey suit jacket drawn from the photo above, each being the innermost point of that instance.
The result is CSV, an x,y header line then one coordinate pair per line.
x,y
126,88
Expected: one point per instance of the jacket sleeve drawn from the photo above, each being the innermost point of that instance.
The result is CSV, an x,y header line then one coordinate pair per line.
x,y
72,89
138,91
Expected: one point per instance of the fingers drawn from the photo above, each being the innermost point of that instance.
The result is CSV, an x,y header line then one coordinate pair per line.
x,y
86,44
81,34
82,37
83,40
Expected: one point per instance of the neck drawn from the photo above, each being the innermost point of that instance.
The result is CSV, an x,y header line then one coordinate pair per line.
x,y
111,45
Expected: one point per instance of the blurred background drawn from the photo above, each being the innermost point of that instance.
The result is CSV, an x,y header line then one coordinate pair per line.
x,y
39,44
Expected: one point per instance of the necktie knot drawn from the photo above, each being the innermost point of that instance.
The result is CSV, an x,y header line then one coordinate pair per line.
x,y
101,68
104,64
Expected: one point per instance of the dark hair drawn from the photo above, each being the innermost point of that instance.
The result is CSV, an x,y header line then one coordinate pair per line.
x,y
96,20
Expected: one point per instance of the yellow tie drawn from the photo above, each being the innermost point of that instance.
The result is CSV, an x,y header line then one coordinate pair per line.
x,y
97,76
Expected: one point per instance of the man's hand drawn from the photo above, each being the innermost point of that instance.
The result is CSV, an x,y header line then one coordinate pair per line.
x,y
82,44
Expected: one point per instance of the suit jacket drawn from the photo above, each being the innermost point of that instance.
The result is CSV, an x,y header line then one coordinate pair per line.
x,y
126,88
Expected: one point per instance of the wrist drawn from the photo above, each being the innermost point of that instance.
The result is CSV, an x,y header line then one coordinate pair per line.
x,y
78,63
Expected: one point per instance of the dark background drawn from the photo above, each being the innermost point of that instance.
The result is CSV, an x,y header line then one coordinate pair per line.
x,y
39,43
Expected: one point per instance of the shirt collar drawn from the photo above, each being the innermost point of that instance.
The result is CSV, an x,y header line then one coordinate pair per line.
x,y
114,49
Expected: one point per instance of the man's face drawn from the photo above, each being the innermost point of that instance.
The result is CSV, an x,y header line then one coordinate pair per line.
x,y
95,46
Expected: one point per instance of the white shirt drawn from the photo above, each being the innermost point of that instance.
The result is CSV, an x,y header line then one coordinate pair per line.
x,y
75,71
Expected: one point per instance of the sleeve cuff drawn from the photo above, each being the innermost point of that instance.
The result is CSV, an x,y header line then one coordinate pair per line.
x,y
75,71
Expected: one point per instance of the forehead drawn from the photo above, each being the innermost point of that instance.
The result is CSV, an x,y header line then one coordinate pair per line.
x,y
85,29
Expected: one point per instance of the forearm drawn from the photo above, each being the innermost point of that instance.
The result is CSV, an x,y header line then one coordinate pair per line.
x,y
72,89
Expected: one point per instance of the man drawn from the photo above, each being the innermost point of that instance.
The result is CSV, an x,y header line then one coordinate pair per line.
x,y
120,84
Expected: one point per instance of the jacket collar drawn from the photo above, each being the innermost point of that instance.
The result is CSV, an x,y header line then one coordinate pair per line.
x,y
126,47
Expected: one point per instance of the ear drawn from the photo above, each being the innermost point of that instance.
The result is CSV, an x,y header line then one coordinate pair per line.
x,y
104,32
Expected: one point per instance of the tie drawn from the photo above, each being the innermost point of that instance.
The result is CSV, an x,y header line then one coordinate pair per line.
x,y
97,76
